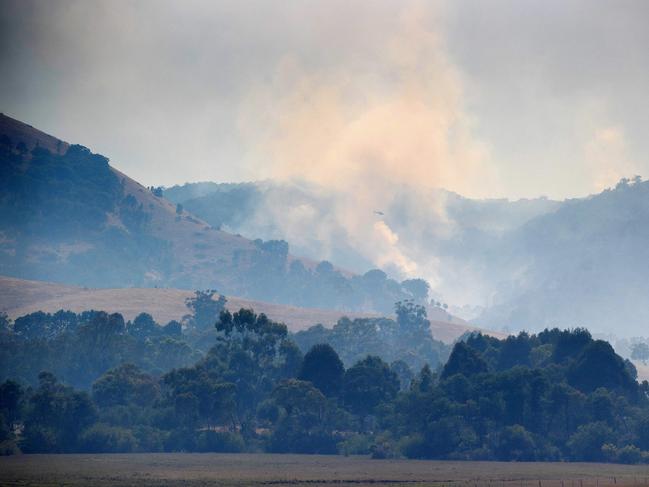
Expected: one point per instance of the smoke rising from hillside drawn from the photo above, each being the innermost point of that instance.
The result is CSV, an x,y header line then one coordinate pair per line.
x,y
367,135
368,101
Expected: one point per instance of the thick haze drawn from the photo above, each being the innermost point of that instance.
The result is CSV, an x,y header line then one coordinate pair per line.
x,y
503,98
357,112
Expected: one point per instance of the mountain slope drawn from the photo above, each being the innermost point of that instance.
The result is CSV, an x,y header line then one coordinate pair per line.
x,y
523,264
66,215
586,264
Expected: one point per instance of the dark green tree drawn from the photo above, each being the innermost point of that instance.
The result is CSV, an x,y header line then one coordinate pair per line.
x,y
56,416
143,326
587,442
367,384
599,366
125,385
464,360
324,369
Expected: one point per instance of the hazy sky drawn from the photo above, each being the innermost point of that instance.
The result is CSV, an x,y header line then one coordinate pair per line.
x,y
489,98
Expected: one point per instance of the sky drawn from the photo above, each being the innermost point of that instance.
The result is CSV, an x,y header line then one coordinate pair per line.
x,y
505,98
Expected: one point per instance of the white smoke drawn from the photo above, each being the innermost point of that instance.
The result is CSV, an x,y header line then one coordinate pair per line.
x,y
397,123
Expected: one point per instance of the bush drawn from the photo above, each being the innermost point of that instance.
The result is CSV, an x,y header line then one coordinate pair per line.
x,y
9,447
288,440
383,450
180,439
149,439
38,440
586,444
413,446
630,454
609,451
101,438
357,444
515,443
220,442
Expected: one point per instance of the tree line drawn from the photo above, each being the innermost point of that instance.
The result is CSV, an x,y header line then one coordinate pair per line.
x,y
556,395
267,273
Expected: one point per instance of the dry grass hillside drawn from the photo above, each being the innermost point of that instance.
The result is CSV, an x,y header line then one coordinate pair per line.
x,y
202,252
30,136
81,221
19,297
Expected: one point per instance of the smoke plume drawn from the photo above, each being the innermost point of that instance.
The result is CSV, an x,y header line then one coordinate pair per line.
x,y
398,124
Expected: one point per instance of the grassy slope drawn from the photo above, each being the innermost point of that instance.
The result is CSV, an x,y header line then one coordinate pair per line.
x,y
201,251
19,297
282,470
202,254
19,131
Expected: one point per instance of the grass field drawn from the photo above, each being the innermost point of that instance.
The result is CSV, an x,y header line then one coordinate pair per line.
x,y
302,470
19,297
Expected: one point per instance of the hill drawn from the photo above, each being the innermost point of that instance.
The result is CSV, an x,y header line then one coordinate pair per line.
x,y
585,264
19,297
525,264
67,215
456,238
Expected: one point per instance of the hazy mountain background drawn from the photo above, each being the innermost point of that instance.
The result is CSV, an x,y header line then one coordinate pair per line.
x,y
524,264
70,217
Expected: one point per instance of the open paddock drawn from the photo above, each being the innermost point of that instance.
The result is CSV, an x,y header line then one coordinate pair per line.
x,y
302,470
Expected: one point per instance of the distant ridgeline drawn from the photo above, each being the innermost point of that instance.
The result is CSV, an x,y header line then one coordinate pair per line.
x,y
67,216
244,385
529,259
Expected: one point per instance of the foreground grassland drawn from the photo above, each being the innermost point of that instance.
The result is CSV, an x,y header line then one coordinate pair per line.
x,y
302,470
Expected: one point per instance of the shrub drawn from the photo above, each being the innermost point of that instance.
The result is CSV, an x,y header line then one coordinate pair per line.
x,y
629,454
413,446
586,444
101,438
357,444
220,442
9,447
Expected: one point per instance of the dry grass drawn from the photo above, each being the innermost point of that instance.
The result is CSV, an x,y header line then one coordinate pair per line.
x,y
313,470
19,297
19,131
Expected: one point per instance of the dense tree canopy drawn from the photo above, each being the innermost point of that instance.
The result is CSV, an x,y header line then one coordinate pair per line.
x,y
558,395
408,339
323,368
